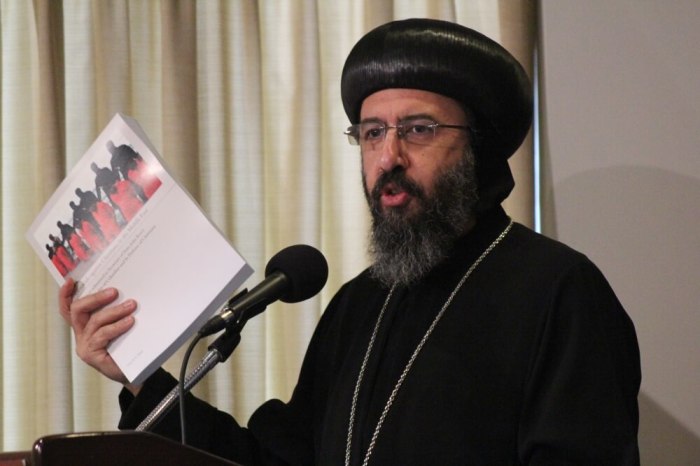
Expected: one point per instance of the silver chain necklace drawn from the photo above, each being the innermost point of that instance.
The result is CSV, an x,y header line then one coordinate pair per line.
x,y
402,377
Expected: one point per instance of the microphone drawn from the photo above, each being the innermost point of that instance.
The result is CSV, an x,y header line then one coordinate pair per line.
x,y
294,274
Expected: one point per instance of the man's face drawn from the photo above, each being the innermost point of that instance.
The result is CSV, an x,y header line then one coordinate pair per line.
x,y
421,190
421,164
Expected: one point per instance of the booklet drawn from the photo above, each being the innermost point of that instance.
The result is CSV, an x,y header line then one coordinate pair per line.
x,y
120,219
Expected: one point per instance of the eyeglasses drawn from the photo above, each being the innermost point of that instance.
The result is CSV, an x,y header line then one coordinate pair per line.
x,y
371,134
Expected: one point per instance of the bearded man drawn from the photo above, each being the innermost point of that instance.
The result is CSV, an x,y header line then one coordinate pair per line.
x,y
471,339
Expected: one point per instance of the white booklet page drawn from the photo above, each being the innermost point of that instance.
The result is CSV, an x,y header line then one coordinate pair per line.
x,y
120,219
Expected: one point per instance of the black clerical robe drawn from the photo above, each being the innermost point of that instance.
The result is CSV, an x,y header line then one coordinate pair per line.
x,y
534,362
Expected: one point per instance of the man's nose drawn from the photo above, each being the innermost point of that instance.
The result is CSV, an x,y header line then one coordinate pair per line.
x,y
392,152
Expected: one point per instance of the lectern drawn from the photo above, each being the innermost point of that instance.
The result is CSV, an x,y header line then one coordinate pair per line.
x,y
111,449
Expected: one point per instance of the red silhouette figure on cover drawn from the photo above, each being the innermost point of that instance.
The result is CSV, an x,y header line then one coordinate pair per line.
x,y
81,251
89,229
129,165
121,193
102,212
56,261
62,253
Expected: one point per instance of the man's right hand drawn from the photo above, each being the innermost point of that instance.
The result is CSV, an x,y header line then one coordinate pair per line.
x,y
95,323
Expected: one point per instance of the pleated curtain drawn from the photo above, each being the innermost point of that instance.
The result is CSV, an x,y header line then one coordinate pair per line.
x,y
242,100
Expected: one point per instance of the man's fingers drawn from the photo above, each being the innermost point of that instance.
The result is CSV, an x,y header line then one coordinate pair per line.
x,y
98,341
101,327
65,298
96,321
82,309
110,322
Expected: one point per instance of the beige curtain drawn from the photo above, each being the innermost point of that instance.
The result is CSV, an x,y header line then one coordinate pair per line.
x,y
242,100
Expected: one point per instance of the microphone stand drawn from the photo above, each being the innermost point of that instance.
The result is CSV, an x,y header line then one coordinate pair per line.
x,y
219,351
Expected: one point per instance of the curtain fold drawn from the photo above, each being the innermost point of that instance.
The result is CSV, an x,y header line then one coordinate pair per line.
x,y
179,120
242,100
52,345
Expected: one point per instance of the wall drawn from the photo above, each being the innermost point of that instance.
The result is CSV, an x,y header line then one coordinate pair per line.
x,y
620,97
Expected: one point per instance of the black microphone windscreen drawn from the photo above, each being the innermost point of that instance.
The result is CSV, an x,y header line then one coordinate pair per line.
x,y
305,268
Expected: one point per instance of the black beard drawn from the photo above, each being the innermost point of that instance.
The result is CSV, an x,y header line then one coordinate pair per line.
x,y
405,246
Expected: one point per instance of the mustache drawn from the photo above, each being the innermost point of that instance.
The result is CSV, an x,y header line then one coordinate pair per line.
x,y
398,178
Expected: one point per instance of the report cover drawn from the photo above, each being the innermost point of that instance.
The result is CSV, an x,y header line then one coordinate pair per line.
x,y
120,219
